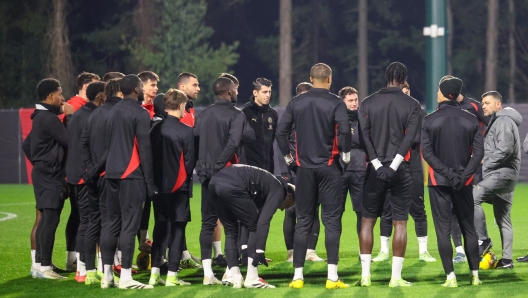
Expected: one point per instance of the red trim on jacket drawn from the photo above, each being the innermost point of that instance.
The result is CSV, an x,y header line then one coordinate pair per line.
x,y
182,174
134,160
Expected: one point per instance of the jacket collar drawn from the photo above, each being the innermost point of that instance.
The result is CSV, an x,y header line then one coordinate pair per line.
x,y
254,106
90,105
449,103
47,107
221,101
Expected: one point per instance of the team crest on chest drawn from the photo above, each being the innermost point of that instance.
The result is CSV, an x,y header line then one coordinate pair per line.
x,y
352,130
270,121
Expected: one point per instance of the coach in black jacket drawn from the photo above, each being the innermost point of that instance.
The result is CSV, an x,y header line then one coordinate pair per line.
x,y
45,148
321,131
452,146
218,130
263,120
93,142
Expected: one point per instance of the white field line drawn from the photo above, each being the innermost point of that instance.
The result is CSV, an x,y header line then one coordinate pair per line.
x,y
8,217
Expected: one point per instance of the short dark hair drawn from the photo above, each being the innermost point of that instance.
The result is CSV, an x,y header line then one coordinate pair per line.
x,y
174,98
112,75
148,75
320,71
93,89
496,95
129,83
257,85
222,85
183,77
231,77
85,78
112,87
46,87
346,91
303,87
396,72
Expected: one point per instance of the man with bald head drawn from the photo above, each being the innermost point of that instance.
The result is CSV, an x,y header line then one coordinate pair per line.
x,y
218,131
321,124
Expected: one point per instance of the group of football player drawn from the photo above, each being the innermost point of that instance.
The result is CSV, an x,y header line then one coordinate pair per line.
x,y
118,147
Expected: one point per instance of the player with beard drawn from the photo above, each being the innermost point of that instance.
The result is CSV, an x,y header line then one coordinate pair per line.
x,y
45,148
218,132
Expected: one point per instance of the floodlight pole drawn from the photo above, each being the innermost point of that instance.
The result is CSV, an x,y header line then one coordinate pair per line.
x,y
436,63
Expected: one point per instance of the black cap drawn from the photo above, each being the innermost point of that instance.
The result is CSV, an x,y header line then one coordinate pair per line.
x,y
451,88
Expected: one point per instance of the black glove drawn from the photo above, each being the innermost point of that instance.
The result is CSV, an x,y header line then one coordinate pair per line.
x,y
293,167
260,259
385,173
454,180
152,190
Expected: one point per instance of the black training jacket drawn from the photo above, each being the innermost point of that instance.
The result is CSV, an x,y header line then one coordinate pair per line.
x,y
321,128
47,142
173,155
389,121
416,154
263,120
358,158
262,187
129,153
93,138
75,167
218,131
451,139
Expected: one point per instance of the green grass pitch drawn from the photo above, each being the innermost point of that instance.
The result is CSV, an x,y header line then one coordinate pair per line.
x,y
15,261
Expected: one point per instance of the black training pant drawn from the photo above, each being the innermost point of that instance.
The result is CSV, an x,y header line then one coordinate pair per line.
x,y
417,209
72,226
145,216
456,233
353,182
45,235
445,200
288,227
234,205
83,203
318,186
209,219
93,231
125,200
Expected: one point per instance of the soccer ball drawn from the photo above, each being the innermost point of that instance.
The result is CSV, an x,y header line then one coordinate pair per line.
x,y
488,261
143,261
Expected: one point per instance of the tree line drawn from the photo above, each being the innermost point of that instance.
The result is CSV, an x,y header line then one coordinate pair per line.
x,y
278,39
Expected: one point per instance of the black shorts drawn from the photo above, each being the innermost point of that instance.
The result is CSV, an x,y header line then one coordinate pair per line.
x,y
375,192
47,186
172,207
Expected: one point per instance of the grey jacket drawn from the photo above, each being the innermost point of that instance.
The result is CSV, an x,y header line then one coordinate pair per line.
x,y
502,152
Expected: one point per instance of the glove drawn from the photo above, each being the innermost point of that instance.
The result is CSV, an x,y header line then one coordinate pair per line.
x,y
457,182
260,259
152,190
385,173
293,167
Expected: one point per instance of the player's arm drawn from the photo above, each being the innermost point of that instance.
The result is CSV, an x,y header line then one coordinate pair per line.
x,y
85,146
145,150
26,147
343,128
413,127
428,153
56,129
283,131
365,139
235,135
476,156
188,153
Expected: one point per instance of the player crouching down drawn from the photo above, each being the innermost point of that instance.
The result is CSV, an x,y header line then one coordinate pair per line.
x,y
251,196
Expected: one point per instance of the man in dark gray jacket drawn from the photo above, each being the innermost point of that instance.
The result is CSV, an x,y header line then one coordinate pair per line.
x,y
500,171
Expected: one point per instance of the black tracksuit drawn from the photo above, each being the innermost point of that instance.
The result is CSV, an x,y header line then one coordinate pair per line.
x,y
218,131
417,209
452,142
45,147
129,177
321,129
389,121
354,175
263,120
173,148
75,169
93,143
290,217
249,195
474,107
